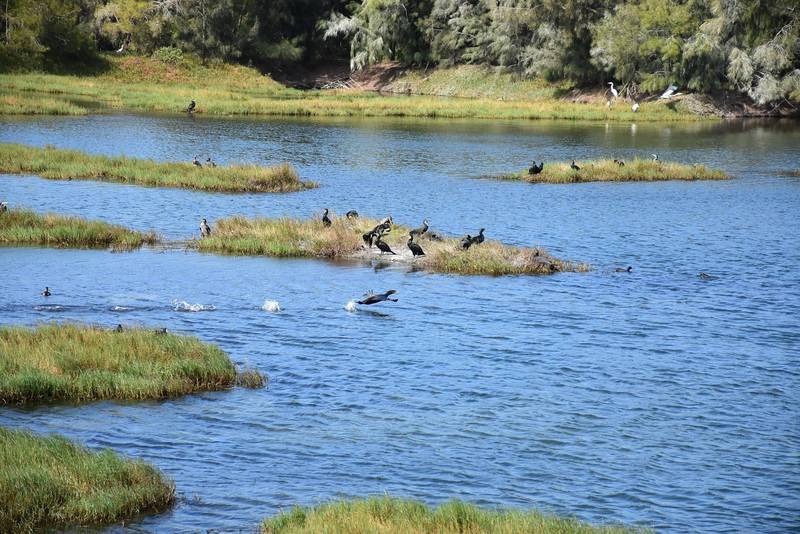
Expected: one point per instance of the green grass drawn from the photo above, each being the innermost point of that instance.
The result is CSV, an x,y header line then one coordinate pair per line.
x,y
637,170
287,237
56,164
79,363
234,90
48,483
389,515
25,227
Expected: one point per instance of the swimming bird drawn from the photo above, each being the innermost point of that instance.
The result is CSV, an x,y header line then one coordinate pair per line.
x,y
707,277
613,91
635,106
210,162
574,167
478,239
374,298
46,292
655,157
416,250
325,219
191,107
383,246
352,214
205,229
534,169
622,270
118,328
196,162
421,230
466,242
619,162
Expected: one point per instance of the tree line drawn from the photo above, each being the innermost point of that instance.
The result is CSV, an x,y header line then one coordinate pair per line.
x,y
747,46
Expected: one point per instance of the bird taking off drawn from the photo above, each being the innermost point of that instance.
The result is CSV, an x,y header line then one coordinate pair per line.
x,y
669,92
374,298
613,91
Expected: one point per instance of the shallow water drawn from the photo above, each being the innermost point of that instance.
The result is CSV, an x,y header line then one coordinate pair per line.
x,y
652,398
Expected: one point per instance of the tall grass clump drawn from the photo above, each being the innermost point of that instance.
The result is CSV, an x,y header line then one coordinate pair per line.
x,y
56,164
287,237
390,515
637,170
48,483
79,363
25,227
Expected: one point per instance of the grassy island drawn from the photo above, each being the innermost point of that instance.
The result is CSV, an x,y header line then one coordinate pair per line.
x,y
389,515
343,239
25,227
78,363
637,170
56,164
48,483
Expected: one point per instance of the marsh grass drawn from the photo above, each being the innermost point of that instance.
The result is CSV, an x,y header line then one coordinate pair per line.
x,y
79,363
25,227
49,483
637,170
287,238
389,515
56,164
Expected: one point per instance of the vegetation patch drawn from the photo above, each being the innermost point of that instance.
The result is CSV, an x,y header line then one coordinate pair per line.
x,y
25,227
637,170
79,363
389,515
59,164
49,483
287,237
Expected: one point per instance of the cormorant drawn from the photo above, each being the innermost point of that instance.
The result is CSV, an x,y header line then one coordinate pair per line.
x,y
706,277
209,161
478,239
374,298
196,162
46,292
466,242
619,162
160,331
416,250
421,230
367,237
574,167
325,219
352,214
118,328
534,169
621,270
205,229
191,107
383,246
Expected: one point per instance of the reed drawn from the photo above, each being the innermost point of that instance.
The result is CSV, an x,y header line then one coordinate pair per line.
x,y
637,170
56,164
389,515
287,237
25,227
80,363
48,483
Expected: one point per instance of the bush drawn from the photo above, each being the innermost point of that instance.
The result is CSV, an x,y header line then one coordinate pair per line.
x,y
169,54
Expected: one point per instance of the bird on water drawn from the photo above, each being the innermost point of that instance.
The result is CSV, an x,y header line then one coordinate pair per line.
x,y
325,219
374,298
623,270
46,292
205,229
415,249
574,167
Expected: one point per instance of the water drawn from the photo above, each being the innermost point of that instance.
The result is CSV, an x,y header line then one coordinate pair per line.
x,y
652,398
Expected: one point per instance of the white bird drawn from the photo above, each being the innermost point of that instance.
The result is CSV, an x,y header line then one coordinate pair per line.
x,y
669,92
613,91
121,48
655,157
635,106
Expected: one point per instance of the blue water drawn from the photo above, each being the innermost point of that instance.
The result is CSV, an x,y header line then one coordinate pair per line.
x,y
651,398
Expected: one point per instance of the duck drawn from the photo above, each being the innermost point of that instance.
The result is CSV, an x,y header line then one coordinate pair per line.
x,y
623,270
374,298
325,219
416,250
707,277
46,292
205,229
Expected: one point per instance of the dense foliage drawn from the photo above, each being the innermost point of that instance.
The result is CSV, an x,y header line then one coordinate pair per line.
x,y
750,46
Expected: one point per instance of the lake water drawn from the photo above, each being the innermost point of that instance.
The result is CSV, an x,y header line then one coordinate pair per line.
x,y
652,398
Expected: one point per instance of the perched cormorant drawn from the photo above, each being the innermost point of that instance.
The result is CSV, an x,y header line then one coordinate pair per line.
x,y
621,270
421,230
161,331
619,162
367,237
205,229
46,292
325,219
210,162
374,298
191,107
383,246
416,250
118,328
534,169
352,214
466,242
196,162
433,236
574,167
478,239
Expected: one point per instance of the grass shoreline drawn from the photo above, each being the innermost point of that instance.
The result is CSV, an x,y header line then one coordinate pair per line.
x,y
296,238
391,515
81,363
57,164
49,482
637,170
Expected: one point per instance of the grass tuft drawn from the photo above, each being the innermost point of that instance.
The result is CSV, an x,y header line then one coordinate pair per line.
x,y
56,164
251,379
25,227
637,170
49,483
390,515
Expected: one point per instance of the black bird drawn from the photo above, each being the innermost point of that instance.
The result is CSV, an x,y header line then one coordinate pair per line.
x,y
466,242
374,298
118,328
619,162
478,239
352,214
383,246
707,277
574,167
191,107
621,270
434,236
421,230
46,292
416,250
196,162
325,219
210,162
367,237
205,229
534,169
160,331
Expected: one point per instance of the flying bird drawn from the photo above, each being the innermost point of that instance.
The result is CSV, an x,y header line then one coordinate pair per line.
x,y
669,92
374,298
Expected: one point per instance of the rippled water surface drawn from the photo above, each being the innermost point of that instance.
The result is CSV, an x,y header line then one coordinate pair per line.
x,y
652,398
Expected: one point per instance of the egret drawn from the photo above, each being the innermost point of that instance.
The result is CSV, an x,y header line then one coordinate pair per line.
x,y
613,91
635,106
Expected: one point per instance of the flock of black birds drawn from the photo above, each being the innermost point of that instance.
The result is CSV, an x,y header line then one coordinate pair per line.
x,y
536,169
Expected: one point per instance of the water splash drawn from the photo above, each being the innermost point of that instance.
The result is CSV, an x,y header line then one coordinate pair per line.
x,y
271,306
182,305
350,306
121,308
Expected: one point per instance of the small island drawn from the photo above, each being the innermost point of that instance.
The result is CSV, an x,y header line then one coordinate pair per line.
x,y
57,164
398,516
606,170
49,483
82,363
348,239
